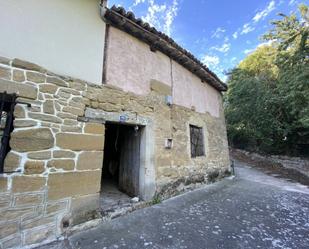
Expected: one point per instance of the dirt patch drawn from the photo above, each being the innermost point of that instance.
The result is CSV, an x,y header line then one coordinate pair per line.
x,y
269,166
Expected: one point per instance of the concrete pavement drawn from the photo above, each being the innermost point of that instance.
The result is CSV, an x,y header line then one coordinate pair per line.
x,y
252,210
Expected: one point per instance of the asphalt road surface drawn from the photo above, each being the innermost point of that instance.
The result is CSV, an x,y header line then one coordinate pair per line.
x,y
251,210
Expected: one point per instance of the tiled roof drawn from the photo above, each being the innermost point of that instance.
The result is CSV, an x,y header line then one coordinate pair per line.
x,y
126,21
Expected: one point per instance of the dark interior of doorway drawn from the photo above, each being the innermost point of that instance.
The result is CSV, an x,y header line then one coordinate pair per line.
x,y
120,173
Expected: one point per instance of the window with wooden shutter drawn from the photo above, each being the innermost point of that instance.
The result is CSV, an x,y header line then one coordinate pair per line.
x,y
197,141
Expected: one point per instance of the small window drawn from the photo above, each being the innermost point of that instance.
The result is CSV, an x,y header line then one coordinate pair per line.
x,y
7,104
197,141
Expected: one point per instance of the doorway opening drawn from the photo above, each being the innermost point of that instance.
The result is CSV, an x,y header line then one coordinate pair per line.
x,y
121,165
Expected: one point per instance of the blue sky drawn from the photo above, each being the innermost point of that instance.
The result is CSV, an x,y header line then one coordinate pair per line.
x,y
218,32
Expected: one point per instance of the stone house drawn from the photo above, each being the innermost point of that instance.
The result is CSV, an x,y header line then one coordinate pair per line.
x,y
93,102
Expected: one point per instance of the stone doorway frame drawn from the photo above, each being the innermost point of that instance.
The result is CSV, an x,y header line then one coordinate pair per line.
x,y
147,173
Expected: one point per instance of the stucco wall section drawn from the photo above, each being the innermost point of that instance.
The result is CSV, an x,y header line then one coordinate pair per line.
x,y
65,36
131,65
190,92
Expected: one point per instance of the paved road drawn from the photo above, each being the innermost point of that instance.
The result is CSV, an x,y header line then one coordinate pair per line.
x,y
253,210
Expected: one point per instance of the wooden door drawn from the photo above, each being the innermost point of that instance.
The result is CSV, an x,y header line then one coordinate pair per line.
x,y
130,163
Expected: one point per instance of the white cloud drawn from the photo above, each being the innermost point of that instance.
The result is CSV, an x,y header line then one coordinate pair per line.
x,y
223,49
247,28
235,35
201,40
154,13
250,26
265,12
223,77
137,2
234,59
170,16
218,33
211,61
268,43
292,2
160,16
248,51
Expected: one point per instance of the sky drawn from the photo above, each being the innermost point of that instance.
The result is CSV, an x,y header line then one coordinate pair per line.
x,y
220,33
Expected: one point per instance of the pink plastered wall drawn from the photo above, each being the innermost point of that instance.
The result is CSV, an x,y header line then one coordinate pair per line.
x,y
131,65
189,91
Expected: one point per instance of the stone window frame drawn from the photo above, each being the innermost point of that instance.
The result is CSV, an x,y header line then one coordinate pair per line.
x,y
200,121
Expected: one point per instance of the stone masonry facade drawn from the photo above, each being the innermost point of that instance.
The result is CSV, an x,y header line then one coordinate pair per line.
x,y
57,153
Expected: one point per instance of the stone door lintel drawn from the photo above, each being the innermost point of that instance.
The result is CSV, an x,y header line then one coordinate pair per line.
x,y
100,116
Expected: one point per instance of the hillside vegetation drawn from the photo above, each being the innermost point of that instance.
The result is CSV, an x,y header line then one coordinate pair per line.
x,y
267,104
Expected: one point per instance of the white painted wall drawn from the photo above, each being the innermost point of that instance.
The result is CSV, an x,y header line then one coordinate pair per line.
x,y
64,36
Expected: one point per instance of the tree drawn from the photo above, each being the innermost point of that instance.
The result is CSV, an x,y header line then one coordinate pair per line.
x,y
261,63
250,103
267,104
291,36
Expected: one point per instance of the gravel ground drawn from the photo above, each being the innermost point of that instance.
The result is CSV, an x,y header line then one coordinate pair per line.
x,y
251,210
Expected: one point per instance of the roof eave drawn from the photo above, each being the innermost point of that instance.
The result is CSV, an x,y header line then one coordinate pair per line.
x,y
119,18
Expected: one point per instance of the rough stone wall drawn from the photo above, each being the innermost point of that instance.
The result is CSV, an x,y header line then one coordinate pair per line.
x,y
54,185
50,153
176,170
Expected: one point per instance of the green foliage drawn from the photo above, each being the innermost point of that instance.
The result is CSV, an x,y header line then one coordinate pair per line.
x,y
156,200
267,104
291,36
261,62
